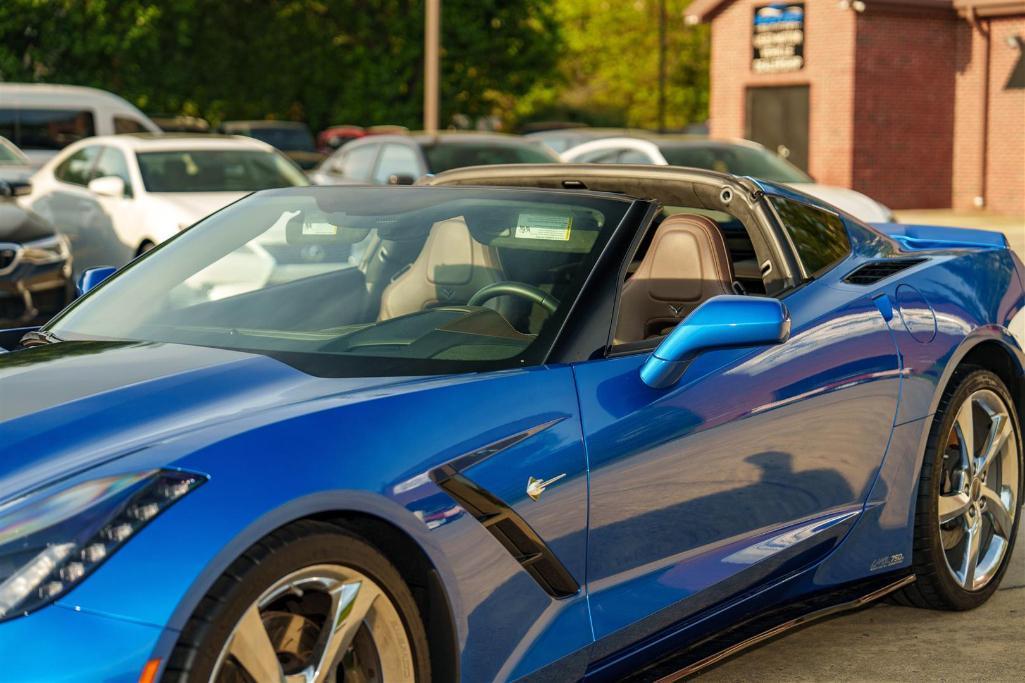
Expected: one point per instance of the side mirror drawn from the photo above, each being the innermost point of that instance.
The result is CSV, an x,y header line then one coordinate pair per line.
x,y
108,186
15,188
401,179
90,278
721,322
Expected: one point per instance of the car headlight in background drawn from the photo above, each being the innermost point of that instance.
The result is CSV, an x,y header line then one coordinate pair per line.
x,y
45,251
51,540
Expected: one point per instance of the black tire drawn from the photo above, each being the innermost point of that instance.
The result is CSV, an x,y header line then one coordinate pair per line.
x,y
291,548
934,587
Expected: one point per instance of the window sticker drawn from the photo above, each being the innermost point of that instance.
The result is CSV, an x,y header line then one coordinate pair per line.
x,y
319,228
544,226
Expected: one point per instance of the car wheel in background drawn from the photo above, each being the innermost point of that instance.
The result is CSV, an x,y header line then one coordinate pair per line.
x,y
969,495
310,601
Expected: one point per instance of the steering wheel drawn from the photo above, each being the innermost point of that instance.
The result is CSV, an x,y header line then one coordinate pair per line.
x,y
520,289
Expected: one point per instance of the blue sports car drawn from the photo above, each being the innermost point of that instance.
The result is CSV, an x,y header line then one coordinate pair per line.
x,y
543,422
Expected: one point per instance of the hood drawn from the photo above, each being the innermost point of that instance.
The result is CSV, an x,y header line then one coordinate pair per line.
x,y
856,204
20,225
72,405
193,206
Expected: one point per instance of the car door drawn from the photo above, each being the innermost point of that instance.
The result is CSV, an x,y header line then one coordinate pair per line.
x,y
118,225
752,466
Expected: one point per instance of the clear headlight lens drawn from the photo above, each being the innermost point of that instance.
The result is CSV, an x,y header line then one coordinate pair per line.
x,y
48,250
51,541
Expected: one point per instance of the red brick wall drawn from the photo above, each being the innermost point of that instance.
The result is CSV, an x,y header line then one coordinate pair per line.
x,y
829,71
903,108
1005,167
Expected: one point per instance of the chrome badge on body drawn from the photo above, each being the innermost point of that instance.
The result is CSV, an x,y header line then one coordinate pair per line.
x,y
535,486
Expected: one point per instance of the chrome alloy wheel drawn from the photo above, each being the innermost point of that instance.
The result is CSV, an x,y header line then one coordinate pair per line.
x,y
979,490
322,623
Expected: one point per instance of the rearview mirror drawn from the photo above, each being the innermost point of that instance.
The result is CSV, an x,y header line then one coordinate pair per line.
x,y
90,278
107,186
721,322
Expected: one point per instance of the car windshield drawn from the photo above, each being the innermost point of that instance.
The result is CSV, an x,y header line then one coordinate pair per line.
x,y
756,162
443,156
287,137
364,281
217,170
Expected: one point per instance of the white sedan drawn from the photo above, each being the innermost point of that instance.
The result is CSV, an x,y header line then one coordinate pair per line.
x,y
739,157
118,196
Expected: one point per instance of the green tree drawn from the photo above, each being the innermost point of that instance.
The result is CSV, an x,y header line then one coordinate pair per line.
x,y
608,72
325,61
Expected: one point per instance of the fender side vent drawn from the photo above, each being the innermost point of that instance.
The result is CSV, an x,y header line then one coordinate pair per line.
x,y
512,531
876,271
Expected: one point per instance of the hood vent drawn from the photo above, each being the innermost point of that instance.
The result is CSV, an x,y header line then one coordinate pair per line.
x,y
876,271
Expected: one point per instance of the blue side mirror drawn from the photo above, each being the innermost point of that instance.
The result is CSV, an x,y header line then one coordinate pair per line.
x,y
92,277
721,322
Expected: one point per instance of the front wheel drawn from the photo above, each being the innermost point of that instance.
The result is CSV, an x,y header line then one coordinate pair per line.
x,y
969,496
307,603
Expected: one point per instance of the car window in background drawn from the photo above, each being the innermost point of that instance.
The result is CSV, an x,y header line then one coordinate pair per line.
x,y
819,236
124,125
359,161
633,156
599,156
735,159
9,154
45,128
217,170
400,160
286,137
77,167
444,156
112,163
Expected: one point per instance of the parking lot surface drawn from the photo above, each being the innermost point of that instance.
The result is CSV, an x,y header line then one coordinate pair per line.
x,y
886,642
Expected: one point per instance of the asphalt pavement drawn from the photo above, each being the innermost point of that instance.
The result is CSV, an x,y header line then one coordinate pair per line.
x,y
890,643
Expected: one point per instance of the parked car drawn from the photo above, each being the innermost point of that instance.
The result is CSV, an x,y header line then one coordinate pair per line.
x,y
739,157
35,265
15,167
43,119
291,137
330,139
401,159
537,432
562,139
118,196
179,123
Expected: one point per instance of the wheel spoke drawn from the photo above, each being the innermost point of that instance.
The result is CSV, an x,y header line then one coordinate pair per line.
x,y
953,506
999,433
1003,519
352,603
973,540
965,426
252,649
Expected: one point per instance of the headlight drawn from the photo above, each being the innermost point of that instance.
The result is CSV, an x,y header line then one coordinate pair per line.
x,y
50,542
45,251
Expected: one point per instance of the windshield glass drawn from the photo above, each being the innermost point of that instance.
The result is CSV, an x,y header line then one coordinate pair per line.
x,y
364,281
756,162
217,170
444,156
291,138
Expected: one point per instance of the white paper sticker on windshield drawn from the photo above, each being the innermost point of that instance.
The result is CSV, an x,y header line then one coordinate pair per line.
x,y
544,226
311,228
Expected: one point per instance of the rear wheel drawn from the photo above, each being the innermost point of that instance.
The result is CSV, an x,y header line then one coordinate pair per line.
x,y
307,603
969,495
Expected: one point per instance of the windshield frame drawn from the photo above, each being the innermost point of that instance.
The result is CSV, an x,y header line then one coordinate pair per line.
x,y
326,364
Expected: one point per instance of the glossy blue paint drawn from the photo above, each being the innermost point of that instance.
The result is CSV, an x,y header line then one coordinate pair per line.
x,y
776,466
92,277
721,322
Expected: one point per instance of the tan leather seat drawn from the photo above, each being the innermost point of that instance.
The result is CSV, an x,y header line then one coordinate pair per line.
x,y
450,269
687,263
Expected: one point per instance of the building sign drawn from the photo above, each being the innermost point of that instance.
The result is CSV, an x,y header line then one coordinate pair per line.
x,y
778,38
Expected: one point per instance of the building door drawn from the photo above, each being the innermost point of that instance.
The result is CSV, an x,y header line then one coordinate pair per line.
x,y
778,119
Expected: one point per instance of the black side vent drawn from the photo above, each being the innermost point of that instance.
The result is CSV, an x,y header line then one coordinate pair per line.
x,y
875,271
512,531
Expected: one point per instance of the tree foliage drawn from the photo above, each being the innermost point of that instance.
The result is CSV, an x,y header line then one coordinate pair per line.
x,y
325,61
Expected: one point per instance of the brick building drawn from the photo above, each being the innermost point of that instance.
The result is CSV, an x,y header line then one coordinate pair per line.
x,y
918,103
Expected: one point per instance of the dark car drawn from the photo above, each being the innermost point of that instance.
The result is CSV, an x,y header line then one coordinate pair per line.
x,y
291,137
401,159
35,264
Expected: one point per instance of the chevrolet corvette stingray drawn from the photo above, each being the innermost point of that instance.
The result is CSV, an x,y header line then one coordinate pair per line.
x,y
543,422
